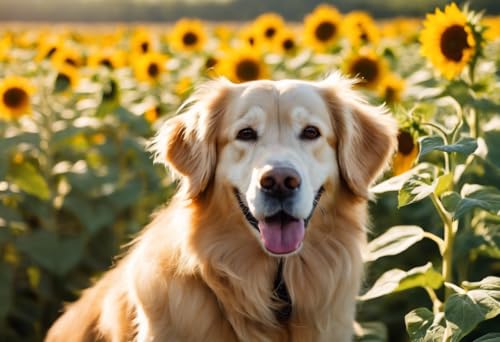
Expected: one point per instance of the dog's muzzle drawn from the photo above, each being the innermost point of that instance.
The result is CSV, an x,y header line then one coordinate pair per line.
x,y
281,233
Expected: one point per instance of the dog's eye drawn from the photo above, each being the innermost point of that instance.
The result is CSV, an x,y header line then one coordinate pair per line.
x,y
310,133
247,134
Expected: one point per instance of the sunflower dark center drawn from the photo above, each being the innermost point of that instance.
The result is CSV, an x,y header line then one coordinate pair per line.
x,y
247,70
153,70
107,63
15,97
288,44
270,32
210,62
325,31
144,47
366,68
390,94
189,38
363,36
405,143
51,52
454,42
70,61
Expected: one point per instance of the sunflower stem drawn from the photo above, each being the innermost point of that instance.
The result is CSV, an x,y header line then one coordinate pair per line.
x,y
46,157
442,133
474,129
450,229
472,72
436,303
437,128
453,139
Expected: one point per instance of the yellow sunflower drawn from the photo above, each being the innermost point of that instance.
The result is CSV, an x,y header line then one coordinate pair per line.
x,y
149,67
243,65
48,47
183,86
15,97
108,39
267,26
141,42
67,77
368,67
152,114
286,42
391,88
360,28
188,35
5,46
112,59
401,28
322,27
224,34
248,36
406,155
68,56
448,41
27,39
492,25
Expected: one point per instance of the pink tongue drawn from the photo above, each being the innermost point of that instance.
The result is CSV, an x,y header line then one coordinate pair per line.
x,y
282,238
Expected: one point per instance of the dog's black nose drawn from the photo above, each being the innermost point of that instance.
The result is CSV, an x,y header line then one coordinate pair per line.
x,y
280,182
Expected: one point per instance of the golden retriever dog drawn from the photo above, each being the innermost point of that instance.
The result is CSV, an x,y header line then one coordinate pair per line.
x,y
263,240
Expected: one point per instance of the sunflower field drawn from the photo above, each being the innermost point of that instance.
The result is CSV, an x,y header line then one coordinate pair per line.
x,y
78,105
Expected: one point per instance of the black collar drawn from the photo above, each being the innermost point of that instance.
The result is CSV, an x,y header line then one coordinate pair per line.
x,y
281,295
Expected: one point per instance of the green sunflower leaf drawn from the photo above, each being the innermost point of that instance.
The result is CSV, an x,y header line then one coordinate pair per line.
x,y
371,332
464,146
416,188
394,241
395,183
464,311
491,337
423,326
6,289
397,280
429,144
443,183
477,196
55,254
450,200
28,179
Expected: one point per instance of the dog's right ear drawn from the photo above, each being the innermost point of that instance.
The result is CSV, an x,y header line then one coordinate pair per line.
x,y
186,143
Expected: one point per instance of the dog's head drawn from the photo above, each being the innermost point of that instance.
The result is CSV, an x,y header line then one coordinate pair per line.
x,y
277,145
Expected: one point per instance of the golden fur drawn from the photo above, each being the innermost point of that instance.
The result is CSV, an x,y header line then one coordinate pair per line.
x,y
198,273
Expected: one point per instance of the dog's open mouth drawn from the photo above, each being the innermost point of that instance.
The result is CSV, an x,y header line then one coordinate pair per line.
x,y
281,233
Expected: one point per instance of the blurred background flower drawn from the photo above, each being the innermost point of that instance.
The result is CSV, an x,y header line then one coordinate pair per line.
x,y
15,97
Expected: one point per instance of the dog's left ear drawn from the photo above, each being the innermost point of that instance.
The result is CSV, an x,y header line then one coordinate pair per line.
x,y
186,143
366,135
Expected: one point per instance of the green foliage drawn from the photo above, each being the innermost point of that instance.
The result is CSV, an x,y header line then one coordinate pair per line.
x,y
76,183
28,179
397,280
458,172
394,241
